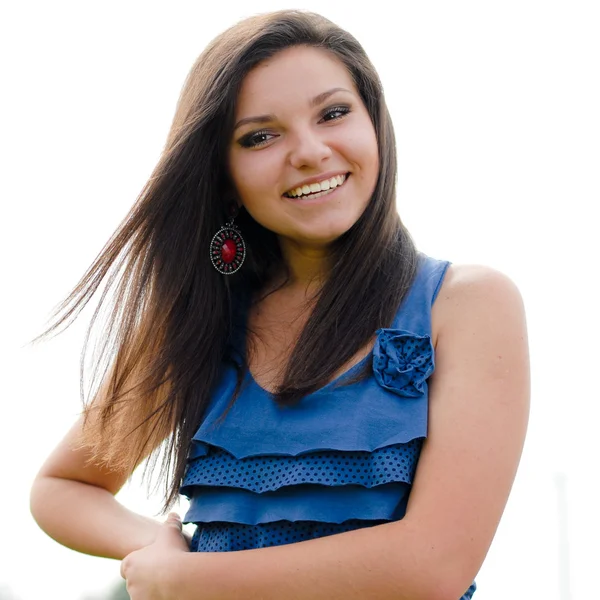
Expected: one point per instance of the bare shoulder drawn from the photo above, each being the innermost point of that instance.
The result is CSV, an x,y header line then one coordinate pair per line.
x,y
472,293
471,282
478,414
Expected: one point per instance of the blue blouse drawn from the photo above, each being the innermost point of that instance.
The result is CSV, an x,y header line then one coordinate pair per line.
x,y
343,458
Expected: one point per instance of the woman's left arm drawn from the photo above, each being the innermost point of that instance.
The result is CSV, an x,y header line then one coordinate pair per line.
x,y
478,413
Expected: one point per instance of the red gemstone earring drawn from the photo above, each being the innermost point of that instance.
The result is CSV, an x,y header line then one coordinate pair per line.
x,y
227,248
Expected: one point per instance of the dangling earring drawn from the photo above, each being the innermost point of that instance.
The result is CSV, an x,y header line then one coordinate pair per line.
x,y
227,248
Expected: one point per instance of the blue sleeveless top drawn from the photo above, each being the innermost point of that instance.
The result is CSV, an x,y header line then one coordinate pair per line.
x,y
343,458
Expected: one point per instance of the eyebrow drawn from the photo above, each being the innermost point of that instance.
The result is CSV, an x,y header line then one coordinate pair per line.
x,y
319,99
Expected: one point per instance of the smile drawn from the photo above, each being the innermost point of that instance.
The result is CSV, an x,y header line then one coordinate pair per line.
x,y
315,190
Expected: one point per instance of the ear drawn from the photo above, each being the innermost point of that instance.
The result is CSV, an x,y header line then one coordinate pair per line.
x,y
232,208
231,198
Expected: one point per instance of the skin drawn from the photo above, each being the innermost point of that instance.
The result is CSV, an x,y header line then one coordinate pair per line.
x,y
144,570
301,140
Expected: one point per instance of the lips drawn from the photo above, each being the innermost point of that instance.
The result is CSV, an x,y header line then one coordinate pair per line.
x,y
307,199
311,189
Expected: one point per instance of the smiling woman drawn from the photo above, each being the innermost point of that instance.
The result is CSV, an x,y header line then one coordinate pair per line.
x,y
345,414
310,142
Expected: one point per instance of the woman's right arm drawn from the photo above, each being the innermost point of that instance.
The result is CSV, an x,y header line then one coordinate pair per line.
x,y
74,503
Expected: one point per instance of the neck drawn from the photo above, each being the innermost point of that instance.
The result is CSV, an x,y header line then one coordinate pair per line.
x,y
308,266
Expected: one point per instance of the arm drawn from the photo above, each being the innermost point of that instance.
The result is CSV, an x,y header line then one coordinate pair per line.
x,y
74,504
479,403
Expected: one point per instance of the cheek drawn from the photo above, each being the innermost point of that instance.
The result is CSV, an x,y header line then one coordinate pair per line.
x,y
376,163
253,174
372,150
360,147
372,159
367,156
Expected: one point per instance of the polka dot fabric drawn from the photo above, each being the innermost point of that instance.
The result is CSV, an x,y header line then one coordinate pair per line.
x,y
402,361
229,537
329,467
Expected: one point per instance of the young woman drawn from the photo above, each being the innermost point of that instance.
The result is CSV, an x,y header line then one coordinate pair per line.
x,y
345,414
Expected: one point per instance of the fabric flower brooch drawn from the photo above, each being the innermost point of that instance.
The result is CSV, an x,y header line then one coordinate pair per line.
x,y
402,361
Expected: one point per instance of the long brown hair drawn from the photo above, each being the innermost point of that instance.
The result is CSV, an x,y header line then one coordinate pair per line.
x,y
170,314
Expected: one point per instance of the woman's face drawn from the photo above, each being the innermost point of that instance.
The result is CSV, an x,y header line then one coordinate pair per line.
x,y
303,157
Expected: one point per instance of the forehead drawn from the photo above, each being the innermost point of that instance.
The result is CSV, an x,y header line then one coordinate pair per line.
x,y
289,79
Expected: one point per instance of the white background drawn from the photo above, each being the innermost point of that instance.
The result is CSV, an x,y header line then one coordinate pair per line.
x,y
495,106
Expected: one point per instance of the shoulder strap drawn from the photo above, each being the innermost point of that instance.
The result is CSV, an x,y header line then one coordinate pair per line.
x,y
414,313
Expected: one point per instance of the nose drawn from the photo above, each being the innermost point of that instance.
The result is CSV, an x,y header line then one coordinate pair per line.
x,y
308,149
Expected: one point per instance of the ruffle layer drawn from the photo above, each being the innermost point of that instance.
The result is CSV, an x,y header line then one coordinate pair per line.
x,y
218,468
362,416
259,465
304,502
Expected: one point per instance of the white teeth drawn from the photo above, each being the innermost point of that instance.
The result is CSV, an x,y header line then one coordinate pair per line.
x,y
316,188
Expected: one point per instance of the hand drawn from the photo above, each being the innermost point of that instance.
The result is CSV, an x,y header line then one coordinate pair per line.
x,y
146,571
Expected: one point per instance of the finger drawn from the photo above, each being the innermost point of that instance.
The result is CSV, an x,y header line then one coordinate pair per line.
x,y
171,525
174,519
123,568
171,535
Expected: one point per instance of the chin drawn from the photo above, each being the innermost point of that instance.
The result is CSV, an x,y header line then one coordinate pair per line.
x,y
318,234
325,238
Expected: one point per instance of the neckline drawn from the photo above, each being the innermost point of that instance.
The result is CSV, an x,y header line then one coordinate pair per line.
x,y
334,382
239,344
239,339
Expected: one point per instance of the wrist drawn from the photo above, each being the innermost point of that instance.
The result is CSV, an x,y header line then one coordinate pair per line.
x,y
142,533
148,531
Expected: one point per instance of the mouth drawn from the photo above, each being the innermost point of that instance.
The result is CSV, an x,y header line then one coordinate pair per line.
x,y
316,190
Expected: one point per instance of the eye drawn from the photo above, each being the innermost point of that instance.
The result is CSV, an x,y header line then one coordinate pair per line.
x,y
334,113
255,139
